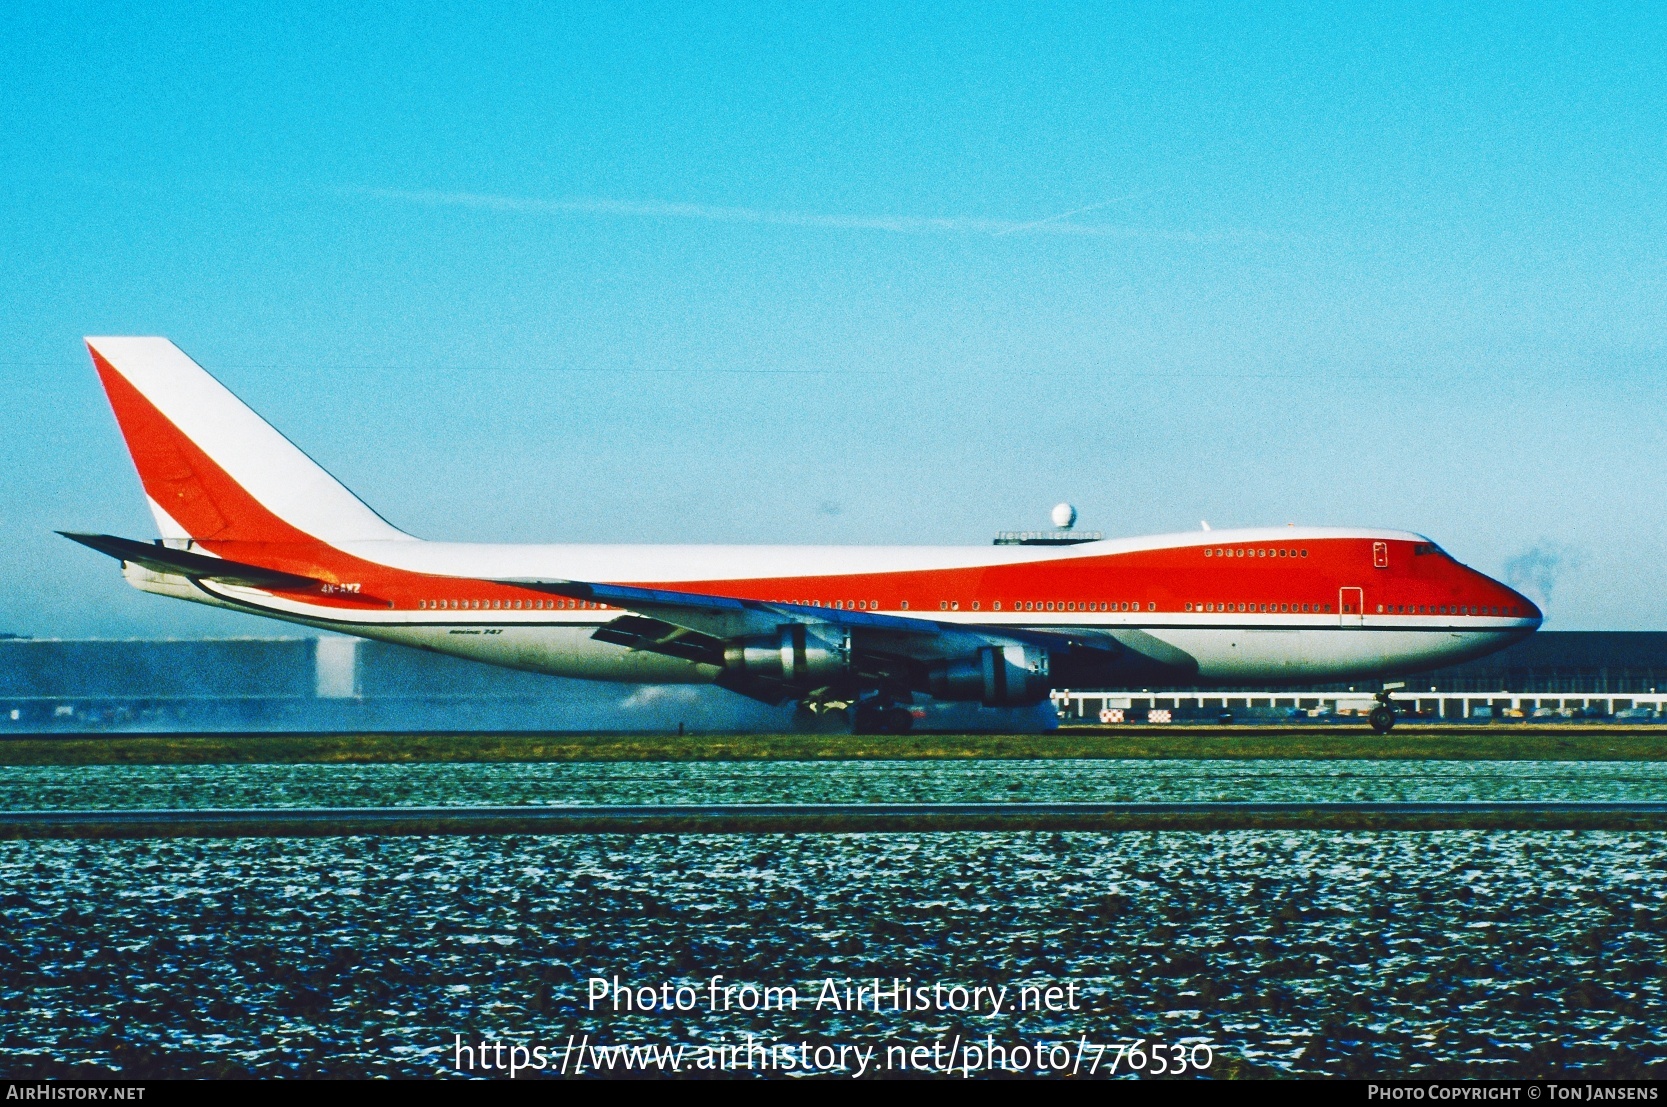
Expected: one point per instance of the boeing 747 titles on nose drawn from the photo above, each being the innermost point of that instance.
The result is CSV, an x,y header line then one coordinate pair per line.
x,y
250,523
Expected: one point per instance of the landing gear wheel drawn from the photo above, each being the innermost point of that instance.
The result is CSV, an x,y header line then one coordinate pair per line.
x,y
1382,719
881,720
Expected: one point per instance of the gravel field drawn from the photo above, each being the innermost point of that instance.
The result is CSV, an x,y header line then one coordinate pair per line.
x,y
499,783
1508,954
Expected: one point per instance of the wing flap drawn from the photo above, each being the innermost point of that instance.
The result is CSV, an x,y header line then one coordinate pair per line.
x,y
655,635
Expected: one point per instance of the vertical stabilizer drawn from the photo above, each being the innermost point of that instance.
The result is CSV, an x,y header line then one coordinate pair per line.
x,y
213,470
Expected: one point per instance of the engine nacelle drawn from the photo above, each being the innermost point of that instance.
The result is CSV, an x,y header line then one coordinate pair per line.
x,y
1000,676
798,653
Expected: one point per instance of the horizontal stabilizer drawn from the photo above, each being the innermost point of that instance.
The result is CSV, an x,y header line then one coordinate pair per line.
x,y
164,559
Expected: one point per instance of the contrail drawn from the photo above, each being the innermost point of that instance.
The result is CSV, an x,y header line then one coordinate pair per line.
x,y
1062,216
895,224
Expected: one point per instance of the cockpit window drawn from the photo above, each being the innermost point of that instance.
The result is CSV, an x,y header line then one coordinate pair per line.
x,y
1423,548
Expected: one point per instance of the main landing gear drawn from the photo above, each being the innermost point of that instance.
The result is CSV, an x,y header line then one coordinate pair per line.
x,y
1382,717
875,718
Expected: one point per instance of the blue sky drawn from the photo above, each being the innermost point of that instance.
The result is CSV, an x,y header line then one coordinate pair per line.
x,y
641,273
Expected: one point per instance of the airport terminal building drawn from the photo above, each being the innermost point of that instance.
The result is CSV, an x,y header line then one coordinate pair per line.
x,y
1563,674
335,683
322,684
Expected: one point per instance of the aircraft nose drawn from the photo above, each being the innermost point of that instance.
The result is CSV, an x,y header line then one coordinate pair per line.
x,y
1513,600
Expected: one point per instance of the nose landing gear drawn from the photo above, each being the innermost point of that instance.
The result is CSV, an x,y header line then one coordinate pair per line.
x,y
1382,717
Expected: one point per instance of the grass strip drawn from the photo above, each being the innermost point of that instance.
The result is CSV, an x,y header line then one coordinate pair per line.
x,y
1484,743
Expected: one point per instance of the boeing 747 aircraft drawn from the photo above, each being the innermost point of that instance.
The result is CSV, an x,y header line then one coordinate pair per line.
x,y
249,522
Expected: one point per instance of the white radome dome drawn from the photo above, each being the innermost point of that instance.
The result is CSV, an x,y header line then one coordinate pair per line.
x,y
1064,516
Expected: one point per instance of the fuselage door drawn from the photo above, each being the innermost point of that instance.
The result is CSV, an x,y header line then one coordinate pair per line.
x,y
1351,606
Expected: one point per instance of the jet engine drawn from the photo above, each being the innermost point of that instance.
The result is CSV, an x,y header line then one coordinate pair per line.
x,y
799,654
1000,676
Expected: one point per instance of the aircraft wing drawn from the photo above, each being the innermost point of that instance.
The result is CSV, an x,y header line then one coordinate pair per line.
x,y
894,649
717,618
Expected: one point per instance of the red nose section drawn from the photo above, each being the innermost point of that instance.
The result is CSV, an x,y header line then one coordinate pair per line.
x,y
1501,597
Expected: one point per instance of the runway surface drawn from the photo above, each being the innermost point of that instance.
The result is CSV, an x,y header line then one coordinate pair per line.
x,y
854,818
